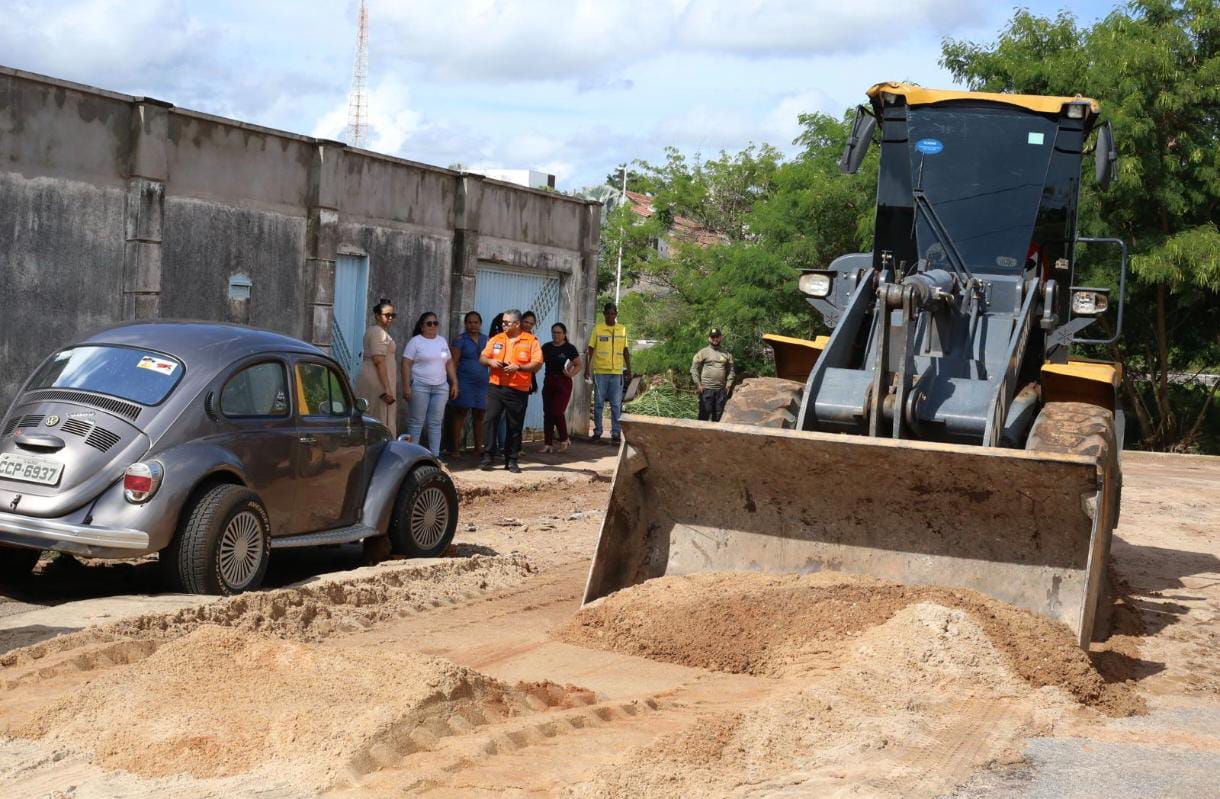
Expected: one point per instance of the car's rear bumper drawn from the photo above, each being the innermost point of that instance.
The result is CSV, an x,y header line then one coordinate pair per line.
x,y
80,539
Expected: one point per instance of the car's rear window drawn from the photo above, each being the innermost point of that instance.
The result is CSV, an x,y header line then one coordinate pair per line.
x,y
132,374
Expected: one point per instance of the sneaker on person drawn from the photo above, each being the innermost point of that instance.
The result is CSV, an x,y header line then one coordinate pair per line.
x,y
485,462
513,467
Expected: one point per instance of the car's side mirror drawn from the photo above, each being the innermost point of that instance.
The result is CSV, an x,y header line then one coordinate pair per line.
x,y
857,143
362,405
1105,157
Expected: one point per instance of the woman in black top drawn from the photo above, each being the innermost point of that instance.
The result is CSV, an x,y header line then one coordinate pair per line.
x,y
562,361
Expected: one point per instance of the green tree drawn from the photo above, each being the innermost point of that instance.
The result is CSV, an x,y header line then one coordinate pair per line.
x,y
718,194
636,235
815,213
782,216
1154,66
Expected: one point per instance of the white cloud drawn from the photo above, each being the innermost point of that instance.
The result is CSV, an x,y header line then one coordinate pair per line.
x,y
814,27
570,86
391,120
782,122
522,40
109,43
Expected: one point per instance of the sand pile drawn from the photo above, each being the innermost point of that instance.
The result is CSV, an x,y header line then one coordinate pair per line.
x,y
222,701
777,625
317,610
918,688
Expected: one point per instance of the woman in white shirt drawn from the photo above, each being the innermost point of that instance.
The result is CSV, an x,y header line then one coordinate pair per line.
x,y
428,381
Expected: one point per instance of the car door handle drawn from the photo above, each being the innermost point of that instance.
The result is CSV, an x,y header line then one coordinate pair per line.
x,y
308,440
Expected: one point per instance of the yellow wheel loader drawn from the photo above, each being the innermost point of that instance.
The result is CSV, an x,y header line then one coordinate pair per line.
x,y
942,433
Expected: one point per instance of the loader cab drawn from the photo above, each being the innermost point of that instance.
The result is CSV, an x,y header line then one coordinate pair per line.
x,y
995,184
986,184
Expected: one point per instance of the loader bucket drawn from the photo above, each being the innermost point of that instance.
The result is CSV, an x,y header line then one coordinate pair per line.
x,y
692,496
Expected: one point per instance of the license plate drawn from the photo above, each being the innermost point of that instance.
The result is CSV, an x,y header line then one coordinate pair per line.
x,y
30,469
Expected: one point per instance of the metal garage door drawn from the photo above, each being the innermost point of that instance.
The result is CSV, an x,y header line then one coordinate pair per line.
x,y
497,289
350,311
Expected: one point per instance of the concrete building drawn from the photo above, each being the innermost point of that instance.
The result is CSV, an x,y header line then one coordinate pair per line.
x,y
115,207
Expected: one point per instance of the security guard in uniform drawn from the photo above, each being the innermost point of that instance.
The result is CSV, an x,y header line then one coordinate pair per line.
x,y
712,371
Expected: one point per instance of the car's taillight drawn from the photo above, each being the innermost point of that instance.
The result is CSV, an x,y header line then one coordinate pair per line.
x,y
141,481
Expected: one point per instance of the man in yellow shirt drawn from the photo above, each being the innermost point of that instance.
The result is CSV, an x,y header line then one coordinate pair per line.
x,y
608,359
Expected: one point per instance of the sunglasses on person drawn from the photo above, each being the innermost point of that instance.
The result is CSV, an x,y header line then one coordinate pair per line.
x,y
431,323
389,315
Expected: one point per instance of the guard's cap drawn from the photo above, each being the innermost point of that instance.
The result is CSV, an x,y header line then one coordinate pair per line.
x,y
715,333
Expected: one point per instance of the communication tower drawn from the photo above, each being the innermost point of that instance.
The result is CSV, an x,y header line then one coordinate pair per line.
x,y
357,98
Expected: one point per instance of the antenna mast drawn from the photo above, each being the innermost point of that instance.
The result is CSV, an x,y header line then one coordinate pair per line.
x,y
357,98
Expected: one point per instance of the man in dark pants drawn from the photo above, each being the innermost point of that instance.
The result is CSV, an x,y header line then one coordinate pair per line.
x,y
514,356
712,371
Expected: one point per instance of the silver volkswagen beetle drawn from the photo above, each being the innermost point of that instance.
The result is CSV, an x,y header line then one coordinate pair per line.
x,y
212,444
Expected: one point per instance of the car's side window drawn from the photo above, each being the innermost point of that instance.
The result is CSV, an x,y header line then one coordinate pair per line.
x,y
320,391
258,390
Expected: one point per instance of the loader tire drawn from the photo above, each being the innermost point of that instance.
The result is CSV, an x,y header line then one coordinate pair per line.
x,y
1078,428
765,402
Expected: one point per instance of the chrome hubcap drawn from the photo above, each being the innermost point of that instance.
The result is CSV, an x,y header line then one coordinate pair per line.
x,y
429,517
241,549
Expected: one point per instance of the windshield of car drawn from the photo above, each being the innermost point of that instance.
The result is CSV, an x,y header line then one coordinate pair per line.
x,y
132,374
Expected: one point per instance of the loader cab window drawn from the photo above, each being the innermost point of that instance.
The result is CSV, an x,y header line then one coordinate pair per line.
x,y
983,168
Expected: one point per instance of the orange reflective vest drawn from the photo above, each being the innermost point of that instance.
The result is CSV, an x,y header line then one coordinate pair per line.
x,y
522,350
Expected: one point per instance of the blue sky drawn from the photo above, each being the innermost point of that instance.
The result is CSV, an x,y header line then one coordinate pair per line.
x,y
572,87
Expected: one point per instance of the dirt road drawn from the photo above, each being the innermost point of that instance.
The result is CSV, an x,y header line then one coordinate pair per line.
x,y
475,675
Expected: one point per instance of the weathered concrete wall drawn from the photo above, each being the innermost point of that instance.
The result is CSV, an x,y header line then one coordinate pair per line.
x,y
61,218
115,207
411,269
206,243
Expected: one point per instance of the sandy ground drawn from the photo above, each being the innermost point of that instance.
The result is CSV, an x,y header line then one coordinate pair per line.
x,y
475,675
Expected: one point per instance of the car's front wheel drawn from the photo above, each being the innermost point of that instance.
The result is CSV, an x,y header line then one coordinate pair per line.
x,y
224,543
425,514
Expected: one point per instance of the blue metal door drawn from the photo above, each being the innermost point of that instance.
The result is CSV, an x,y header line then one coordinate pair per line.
x,y
498,289
350,320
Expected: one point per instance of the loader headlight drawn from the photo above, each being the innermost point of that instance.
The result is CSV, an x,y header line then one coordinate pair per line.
x,y
1090,302
815,284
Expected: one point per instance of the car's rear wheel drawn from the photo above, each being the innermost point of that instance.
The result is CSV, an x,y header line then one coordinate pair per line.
x,y
224,544
425,514
16,563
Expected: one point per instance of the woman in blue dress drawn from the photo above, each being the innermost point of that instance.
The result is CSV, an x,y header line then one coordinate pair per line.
x,y
472,382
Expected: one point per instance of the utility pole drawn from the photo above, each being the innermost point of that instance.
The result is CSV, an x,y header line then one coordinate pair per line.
x,y
618,272
357,98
